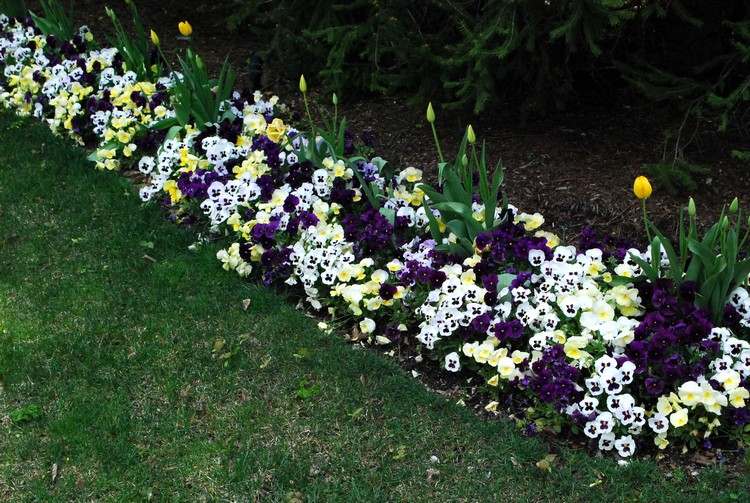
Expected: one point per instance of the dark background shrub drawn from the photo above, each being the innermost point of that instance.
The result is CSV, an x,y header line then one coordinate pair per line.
x,y
537,55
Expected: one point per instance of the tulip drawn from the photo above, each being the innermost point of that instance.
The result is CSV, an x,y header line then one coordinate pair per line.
x,y
470,135
642,188
154,38
303,89
691,207
335,110
734,206
185,28
430,113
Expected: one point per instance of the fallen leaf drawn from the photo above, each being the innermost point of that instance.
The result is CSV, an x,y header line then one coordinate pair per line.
x,y
246,304
218,345
546,463
356,335
432,474
400,452
265,362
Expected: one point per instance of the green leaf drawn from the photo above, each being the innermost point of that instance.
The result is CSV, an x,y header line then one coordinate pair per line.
x,y
649,271
433,223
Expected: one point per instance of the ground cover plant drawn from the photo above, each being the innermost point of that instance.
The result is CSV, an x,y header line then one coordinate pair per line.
x,y
605,342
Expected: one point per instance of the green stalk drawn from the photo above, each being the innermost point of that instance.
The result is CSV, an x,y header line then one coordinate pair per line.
x,y
335,116
474,155
309,117
437,142
161,53
645,219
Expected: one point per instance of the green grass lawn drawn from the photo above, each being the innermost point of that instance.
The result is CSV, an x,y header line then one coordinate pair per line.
x,y
118,353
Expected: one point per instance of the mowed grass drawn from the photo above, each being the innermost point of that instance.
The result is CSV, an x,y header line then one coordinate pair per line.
x,y
117,351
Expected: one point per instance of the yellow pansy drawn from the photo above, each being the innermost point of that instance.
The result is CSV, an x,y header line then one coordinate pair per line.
x,y
679,418
553,240
738,396
276,129
411,174
530,221
170,187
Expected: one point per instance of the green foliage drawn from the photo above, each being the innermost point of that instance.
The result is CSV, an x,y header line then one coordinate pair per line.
x,y
469,54
134,46
196,97
455,200
306,391
56,21
716,262
675,177
711,80
14,8
26,414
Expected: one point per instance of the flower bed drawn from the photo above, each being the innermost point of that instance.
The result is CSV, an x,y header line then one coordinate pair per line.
x,y
612,343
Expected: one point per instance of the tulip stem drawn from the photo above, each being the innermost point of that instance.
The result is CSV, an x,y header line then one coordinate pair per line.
x,y
309,118
169,65
645,219
335,116
474,155
437,142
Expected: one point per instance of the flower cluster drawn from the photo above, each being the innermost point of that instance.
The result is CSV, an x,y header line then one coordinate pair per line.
x,y
580,333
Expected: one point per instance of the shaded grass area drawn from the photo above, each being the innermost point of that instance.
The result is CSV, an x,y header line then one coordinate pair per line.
x,y
117,351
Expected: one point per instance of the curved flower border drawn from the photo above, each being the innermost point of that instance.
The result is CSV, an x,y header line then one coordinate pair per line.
x,y
577,334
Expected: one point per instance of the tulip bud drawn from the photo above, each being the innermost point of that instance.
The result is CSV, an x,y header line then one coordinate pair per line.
x,y
470,135
199,62
734,206
430,113
464,160
185,28
725,222
335,99
691,207
302,84
642,187
154,38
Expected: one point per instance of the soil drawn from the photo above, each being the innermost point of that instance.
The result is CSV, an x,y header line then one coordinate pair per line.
x,y
576,167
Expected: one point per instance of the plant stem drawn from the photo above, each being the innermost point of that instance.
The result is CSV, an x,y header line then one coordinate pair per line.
x,y
169,65
645,219
309,117
437,142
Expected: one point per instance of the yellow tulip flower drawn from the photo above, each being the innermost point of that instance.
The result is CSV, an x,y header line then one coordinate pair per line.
x,y
185,28
642,188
